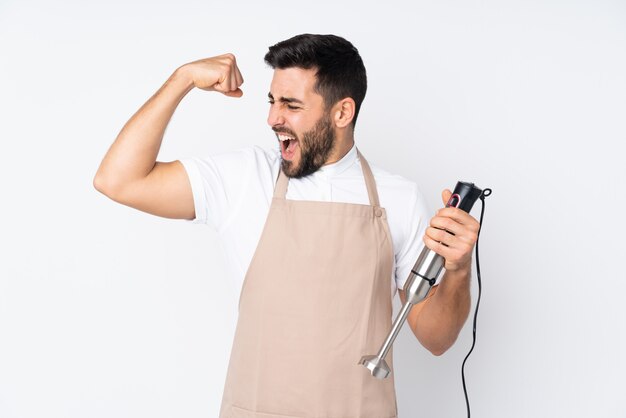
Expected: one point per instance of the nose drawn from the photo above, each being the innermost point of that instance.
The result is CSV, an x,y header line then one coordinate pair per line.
x,y
275,116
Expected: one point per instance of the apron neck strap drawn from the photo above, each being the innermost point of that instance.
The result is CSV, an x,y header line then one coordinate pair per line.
x,y
280,191
370,183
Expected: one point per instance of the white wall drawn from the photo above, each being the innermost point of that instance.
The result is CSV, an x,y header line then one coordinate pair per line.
x,y
105,311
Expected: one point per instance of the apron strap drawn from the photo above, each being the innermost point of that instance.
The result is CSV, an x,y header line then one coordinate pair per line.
x,y
372,192
280,191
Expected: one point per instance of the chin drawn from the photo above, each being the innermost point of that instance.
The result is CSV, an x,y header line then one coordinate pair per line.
x,y
292,168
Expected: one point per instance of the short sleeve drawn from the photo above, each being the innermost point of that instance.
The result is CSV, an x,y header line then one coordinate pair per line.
x,y
209,195
418,217
222,183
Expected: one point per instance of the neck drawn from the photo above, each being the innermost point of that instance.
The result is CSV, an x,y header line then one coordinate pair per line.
x,y
344,143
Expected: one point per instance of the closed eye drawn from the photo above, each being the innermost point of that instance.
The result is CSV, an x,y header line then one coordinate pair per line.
x,y
290,102
286,103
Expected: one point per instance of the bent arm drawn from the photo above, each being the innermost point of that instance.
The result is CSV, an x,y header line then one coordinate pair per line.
x,y
129,172
437,320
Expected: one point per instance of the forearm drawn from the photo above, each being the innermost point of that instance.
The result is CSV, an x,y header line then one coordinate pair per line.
x,y
444,313
133,154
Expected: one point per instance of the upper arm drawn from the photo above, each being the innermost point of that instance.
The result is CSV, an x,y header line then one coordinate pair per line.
x,y
165,192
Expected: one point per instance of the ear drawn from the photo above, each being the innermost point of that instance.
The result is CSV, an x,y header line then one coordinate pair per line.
x,y
343,112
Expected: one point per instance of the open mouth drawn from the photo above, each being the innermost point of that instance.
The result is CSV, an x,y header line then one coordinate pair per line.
x,y
288,145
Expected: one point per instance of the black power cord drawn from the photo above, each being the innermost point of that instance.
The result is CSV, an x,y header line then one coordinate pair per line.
x,y
483,195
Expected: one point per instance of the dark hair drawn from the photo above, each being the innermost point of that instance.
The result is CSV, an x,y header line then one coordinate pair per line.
x,y
340,69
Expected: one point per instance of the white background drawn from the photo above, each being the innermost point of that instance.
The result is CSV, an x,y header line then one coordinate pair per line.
x,y
105,311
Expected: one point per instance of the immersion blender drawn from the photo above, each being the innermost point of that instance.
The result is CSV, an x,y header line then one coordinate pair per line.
x,y
427,268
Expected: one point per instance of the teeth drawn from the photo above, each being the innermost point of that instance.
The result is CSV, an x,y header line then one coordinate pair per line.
x,y
284,137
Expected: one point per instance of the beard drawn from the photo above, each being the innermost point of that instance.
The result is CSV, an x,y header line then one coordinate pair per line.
x,y
315,147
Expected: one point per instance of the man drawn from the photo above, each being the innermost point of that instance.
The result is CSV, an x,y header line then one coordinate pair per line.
x,y
316,232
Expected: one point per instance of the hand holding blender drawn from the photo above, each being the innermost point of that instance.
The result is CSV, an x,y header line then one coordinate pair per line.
x,y
422,277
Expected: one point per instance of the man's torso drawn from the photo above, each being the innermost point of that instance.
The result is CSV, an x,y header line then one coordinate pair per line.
x,y
233,192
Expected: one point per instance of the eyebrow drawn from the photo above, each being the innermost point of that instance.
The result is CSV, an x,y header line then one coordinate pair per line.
x,y
285,99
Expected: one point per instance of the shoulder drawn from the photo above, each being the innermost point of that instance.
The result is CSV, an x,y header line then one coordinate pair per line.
x,y
407,209
396,187
243,162
254,155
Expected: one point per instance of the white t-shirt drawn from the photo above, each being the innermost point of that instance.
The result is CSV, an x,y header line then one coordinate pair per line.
x,y
233,191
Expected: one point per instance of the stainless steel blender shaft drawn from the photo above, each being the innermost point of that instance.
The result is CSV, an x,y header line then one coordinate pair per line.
x,y
418,284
